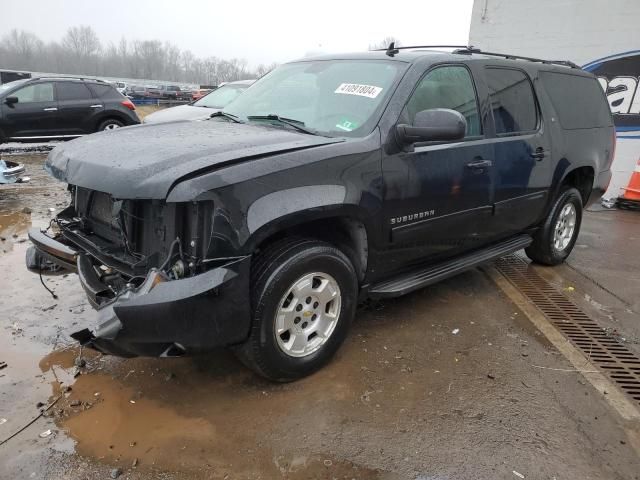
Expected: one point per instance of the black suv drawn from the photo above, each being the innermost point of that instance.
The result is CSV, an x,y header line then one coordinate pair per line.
x,y
329,181
60,107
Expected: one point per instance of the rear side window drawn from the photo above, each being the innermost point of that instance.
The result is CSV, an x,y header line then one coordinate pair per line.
x,y
579,101
72,91
104,91
447,87
512,101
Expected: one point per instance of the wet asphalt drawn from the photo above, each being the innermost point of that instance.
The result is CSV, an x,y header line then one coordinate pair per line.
x,y
406,397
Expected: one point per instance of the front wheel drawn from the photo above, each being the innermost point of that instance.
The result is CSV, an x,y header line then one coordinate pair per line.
x,y
553,243
110,124
304,296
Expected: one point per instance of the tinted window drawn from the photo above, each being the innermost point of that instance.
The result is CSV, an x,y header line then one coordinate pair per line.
x,y
105,91
73,91
578,101
447,87
512,101
39,92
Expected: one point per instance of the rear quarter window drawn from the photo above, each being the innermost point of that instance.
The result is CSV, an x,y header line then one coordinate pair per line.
x,y
106,92
579,101
513,102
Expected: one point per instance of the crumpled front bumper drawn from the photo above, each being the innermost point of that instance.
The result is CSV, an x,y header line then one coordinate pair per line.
x,y
162,318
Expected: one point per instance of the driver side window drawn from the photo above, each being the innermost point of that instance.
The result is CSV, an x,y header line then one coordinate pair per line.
x,y
447,87
39,92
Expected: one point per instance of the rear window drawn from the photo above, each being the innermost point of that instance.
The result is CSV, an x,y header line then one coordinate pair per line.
x,y
104,91
512,101
578,101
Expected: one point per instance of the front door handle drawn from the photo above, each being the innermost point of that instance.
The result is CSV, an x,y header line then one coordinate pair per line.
x,y
539,154
479,164
50,109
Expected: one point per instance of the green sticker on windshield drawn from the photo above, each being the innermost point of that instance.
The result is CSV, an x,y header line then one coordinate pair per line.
x,y
346,125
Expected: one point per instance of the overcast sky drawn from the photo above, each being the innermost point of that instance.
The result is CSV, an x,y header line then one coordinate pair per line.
x,y
260,31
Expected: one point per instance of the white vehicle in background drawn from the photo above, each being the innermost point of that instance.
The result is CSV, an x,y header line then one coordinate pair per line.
x,y
122,87
203,108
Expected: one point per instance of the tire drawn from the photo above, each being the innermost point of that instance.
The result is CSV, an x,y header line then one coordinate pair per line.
x,y
110,124
310,267
554,241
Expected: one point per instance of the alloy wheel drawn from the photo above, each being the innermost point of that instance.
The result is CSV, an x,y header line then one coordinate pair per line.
x,y
307,314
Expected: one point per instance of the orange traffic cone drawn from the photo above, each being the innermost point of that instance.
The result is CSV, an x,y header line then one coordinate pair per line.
x,y
631,196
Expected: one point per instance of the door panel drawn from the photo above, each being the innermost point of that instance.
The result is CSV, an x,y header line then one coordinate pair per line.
x,y
522,173
77,108
435,204
34,115
438,197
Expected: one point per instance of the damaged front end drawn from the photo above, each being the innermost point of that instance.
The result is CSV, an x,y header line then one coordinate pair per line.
x,y
147,267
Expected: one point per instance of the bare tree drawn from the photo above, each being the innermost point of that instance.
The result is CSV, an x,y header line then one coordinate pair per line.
x,y
81,52
384,43
81,41
22,48
261,70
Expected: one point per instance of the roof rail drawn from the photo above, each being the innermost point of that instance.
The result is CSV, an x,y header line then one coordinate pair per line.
x,y
469,50
392,50
67,77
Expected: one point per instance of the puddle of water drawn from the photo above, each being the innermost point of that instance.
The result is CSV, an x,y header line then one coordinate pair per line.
x,y
183,415
13,223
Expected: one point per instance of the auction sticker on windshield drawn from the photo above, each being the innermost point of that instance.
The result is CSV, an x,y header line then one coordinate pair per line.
x,y
368,91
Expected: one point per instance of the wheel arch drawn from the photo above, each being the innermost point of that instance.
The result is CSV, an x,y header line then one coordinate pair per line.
x,y
341,225
581,178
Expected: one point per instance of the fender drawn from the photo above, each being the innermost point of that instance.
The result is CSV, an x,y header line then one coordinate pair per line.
x,y
300,217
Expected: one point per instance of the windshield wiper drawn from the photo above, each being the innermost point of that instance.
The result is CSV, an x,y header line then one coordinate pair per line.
x,y
230,116
297,124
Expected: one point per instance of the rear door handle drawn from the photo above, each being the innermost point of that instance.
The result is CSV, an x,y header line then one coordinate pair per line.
x,y
539,154
479,164
96,106
50,109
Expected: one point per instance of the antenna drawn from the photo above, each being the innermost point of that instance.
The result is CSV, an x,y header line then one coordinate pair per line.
x,y
391,49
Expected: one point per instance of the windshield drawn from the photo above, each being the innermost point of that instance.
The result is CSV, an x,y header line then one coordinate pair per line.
x,y
222,96
7,86
336,97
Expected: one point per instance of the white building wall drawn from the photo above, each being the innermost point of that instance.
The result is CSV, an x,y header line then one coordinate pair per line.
x,y
578,30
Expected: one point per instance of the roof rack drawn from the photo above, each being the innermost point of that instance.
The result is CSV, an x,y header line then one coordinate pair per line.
x,y
66,77
392,50
469,50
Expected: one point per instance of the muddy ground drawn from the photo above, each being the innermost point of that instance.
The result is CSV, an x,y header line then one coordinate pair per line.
x,y
406,397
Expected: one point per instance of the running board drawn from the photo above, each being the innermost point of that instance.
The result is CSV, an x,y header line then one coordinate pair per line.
x,y
421,277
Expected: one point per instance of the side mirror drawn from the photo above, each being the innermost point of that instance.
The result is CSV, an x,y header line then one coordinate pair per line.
x,y
11,100
436,124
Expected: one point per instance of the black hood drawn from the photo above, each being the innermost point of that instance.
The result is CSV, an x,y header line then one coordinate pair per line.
x,y
145,161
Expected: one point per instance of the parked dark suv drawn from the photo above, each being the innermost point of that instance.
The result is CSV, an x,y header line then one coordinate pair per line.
x,y
173,92
329,181
45,108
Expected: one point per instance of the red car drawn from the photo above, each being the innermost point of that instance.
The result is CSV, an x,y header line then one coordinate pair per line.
x,y
198,94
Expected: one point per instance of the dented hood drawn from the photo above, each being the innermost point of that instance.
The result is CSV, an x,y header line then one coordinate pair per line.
x,y
146,161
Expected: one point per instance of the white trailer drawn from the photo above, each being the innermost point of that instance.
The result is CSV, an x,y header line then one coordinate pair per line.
x,y
601,36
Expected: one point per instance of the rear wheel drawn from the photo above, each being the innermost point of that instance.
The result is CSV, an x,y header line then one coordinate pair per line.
x,y
304,295
554,241
110,124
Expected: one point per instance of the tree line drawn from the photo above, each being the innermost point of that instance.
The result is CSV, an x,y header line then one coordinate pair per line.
x,y
80,52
